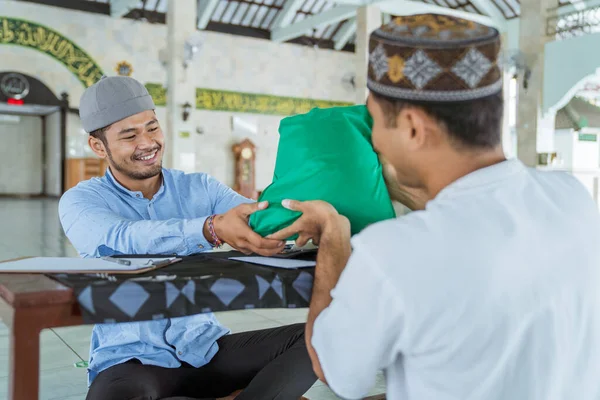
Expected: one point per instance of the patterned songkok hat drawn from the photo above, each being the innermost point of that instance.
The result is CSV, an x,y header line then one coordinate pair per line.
x,y
434,58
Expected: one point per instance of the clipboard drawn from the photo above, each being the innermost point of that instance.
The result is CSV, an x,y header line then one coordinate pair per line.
x,y
290,251
76,265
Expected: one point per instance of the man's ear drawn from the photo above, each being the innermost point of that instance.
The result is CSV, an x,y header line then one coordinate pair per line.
x,y
97,146
421,127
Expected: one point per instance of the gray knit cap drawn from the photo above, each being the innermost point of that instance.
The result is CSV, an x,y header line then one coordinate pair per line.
x,y
112,99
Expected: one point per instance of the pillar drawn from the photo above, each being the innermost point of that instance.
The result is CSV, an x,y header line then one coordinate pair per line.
x,y
368,18
179,135
507,129
531,124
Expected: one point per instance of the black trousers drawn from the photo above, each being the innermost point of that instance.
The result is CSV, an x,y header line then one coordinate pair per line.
x,y
266,364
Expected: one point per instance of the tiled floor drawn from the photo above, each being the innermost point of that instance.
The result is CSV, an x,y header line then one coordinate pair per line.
x,y
31,228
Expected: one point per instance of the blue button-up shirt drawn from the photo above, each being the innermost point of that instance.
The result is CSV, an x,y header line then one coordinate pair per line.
x,y
102,218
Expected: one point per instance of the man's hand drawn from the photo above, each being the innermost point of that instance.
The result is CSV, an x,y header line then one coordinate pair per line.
x,y
317,217
233,229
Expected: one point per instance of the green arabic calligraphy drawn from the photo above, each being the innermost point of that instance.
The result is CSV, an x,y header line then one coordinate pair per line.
x,y
30,34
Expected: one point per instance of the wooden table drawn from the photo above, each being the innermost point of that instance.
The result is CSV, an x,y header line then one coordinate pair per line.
x,y
28,304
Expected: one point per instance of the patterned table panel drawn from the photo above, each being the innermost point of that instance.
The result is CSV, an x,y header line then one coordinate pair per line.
x,y
198,284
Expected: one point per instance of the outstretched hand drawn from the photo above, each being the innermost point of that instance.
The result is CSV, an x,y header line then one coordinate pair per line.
x,y
233,229
317,217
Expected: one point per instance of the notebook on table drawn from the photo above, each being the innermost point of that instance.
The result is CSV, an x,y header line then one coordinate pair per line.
x,y
74,265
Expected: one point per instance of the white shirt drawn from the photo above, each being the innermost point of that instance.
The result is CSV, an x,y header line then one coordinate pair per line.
x,y
492,292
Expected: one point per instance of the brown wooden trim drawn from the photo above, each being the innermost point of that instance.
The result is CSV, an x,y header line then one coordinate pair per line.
x,y
152,17
238,30
25,324
102,8
322,43
28,290
78,5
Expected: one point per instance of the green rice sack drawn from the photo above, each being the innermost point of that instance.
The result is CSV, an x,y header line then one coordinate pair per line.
x,y
327,155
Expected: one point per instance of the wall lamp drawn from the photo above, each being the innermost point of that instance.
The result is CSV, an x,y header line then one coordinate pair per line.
x,y
187,107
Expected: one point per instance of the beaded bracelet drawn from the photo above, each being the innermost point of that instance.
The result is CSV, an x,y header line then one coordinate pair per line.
x,y
211,228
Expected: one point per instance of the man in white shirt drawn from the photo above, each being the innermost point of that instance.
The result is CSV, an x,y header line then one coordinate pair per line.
x,y
492,292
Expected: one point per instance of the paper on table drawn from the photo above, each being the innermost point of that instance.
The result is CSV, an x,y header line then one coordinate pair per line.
x,y
69,264
276,262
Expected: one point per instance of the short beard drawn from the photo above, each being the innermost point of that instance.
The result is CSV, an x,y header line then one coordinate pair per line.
x,y
133,174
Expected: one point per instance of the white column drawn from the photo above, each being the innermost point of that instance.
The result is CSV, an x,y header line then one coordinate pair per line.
x,y
181,23
368,18
507,141
532,41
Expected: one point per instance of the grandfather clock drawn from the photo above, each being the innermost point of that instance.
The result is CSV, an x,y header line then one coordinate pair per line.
x,y
244,156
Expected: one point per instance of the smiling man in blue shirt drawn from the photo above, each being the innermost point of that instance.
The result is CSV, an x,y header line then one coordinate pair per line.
x,y
138,207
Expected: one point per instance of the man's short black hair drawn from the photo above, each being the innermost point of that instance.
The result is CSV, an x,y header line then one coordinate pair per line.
x,y
100,134
475,124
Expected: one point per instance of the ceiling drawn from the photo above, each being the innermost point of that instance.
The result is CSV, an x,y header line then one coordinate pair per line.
x,y
320,23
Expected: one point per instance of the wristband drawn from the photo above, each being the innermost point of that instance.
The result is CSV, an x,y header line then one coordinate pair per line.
x,y
211,228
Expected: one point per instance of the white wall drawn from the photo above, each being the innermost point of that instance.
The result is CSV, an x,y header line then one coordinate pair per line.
x,y
21,156
585,158
77,138
545,134
213,147
52,171
581,158
585,155
225,62
244,64
564,141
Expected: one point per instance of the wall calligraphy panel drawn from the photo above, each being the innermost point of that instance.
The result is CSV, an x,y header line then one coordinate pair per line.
x,y
221,100
20,32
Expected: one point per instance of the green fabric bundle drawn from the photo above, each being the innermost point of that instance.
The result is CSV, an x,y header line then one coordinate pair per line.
x,y
327,155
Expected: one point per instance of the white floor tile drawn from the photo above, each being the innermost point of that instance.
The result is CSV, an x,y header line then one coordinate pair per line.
x,y
292,320
379,385
57,384
282,313
321,392
254,326
77,338
239,317
3,329
80,396
53,353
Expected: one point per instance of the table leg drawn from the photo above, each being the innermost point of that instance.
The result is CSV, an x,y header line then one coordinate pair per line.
x,y
25,355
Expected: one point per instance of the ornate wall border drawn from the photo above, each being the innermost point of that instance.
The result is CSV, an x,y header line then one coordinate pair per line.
x,y
222,100
19,32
